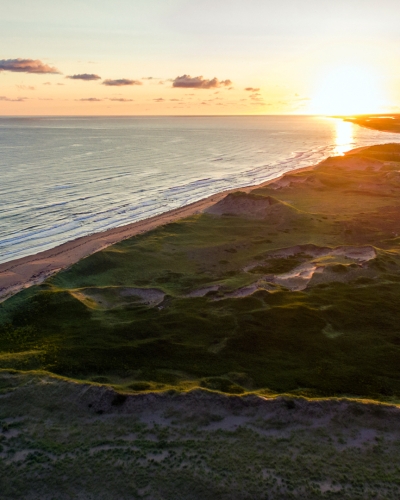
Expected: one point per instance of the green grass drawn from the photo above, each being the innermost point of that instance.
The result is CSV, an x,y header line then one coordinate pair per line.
x,y
339,336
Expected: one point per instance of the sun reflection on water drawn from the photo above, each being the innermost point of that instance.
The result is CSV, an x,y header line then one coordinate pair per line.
x,y
344,137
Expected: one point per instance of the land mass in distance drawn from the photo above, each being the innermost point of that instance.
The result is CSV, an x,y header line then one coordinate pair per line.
x,y
382,122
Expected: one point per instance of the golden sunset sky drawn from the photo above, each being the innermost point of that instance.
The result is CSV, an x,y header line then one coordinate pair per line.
x,y
170,57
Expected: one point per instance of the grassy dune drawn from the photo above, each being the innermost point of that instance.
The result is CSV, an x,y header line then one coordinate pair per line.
x,y
290,292
65,440
293,288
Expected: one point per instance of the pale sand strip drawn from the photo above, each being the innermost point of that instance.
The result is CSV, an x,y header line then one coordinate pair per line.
x,y
27,271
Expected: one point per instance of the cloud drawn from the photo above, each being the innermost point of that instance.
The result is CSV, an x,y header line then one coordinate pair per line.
x,y
198,82
90,99
159,99
47,83
120,99
252,89
84,76
256,97
19,99
26,66
121,82
25,87
154,80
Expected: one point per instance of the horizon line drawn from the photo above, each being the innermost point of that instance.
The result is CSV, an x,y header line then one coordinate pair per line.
x,y
177,115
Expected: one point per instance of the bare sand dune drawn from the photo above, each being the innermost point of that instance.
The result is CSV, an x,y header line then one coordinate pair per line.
x,y
248,205
201,292
364,253
108,298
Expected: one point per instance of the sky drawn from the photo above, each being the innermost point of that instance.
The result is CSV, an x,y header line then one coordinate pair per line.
x,y
185,57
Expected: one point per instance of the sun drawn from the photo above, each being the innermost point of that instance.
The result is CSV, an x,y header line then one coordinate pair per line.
x,y
347,91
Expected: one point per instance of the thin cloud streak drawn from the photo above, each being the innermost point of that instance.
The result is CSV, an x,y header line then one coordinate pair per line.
x,y
88,77
90,99
27,66
198,82
121,82
121,99
7,99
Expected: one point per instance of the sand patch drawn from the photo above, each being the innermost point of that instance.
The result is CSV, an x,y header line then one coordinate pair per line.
x,y
148,296
247,290
298,278
362,254
240,292
201,292
316,260
113,297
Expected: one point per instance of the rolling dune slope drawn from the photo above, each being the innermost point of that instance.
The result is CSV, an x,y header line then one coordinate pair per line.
x,y
292,287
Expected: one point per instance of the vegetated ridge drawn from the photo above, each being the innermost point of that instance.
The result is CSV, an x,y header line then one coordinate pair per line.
x,y
292,288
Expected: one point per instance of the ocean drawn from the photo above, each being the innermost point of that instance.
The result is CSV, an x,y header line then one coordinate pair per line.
x,y
65,177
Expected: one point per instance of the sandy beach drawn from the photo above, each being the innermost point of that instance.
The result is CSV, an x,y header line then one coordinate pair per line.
x,y
33,269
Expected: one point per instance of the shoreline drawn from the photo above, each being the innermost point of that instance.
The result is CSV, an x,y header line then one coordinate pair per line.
x,y
15,275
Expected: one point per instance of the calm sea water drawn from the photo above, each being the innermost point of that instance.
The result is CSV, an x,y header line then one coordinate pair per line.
x,y
61,178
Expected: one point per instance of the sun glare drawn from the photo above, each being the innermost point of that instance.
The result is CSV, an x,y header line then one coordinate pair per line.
x,y
347,91
344,137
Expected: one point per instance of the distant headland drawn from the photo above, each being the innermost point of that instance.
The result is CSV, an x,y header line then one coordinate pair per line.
x,y
382,122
